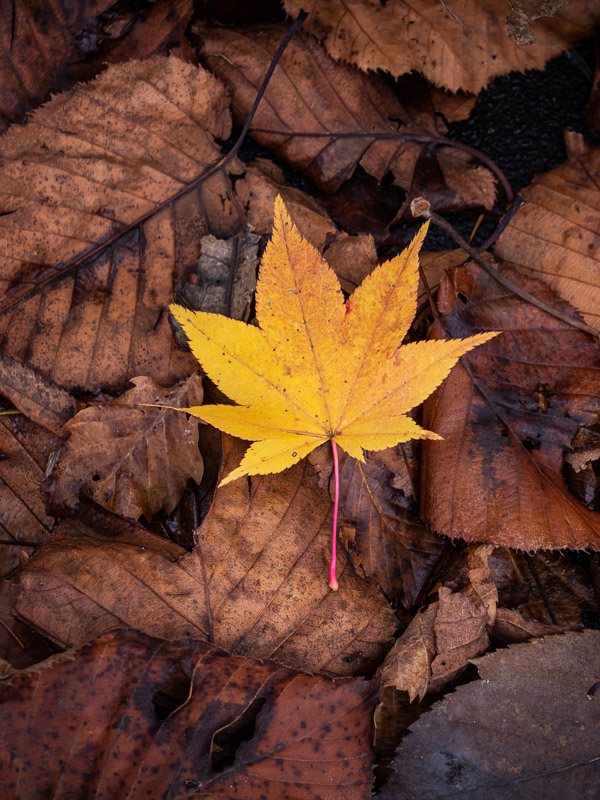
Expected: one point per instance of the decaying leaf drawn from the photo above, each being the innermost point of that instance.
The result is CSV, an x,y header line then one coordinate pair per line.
x,y
86,166
128,457
26,449
319,369
554,236
459,45
325,118
131,715
526,729
37,42
506,418
226,276
263,554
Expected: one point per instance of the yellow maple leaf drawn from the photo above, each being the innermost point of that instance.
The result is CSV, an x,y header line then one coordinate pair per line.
x,y
318,368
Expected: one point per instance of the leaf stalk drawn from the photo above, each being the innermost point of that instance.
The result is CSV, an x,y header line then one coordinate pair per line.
x,y
336,501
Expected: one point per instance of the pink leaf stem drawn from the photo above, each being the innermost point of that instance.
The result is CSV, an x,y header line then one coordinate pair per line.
x,y
336,471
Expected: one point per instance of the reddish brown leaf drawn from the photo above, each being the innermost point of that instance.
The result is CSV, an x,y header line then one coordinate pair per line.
x,y
526,729
37,41
554,236
130,458
95,713
264,554
26,449
316,104
459,46
506,414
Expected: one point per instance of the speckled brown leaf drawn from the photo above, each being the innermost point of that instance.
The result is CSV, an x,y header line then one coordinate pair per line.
x,y
555,235
506,414
84,168
128,457
86,722
460,45
310,93
528,728
41,400
37,42
26,449
263,551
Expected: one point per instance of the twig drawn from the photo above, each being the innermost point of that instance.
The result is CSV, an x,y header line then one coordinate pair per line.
x,y
12,543
540,586
501,227
420,207
94,251
13,634
423,138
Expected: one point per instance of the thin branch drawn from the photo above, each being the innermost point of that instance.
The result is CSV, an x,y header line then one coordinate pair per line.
x,y
420,207
516,205
94,251
540,586
423,138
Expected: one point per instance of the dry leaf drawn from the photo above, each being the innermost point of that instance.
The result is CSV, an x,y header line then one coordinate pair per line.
x,y
554,236
41,400
37,43
526,729
462,45
26,450
226,276
319,369
315,105
19,644
263,554
130,459
506,417
102,722
352,258
86,166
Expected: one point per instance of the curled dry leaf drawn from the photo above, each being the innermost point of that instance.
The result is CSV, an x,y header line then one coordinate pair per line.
x,y
325,113
459,46
526,729
260,563
506,416
128,457
310,734
37,43
554,235
84,168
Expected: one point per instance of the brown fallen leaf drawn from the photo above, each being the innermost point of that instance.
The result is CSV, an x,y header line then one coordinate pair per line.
x,y
458,46
128,457
525,11
225,280
102,722
437,645
352,258
20,646
259,187
506,416
554,235
26,450
37,43
84,167
386,541
319,116
41,400
526,729
263,553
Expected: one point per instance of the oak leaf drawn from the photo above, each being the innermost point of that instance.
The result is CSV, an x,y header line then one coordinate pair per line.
x,y
320,369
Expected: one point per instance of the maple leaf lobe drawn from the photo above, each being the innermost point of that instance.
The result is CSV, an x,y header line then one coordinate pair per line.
x,y
318,367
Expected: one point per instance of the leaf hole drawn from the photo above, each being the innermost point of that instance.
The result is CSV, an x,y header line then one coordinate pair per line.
x,y
531,444
96,477
173,693
225,742
463,298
